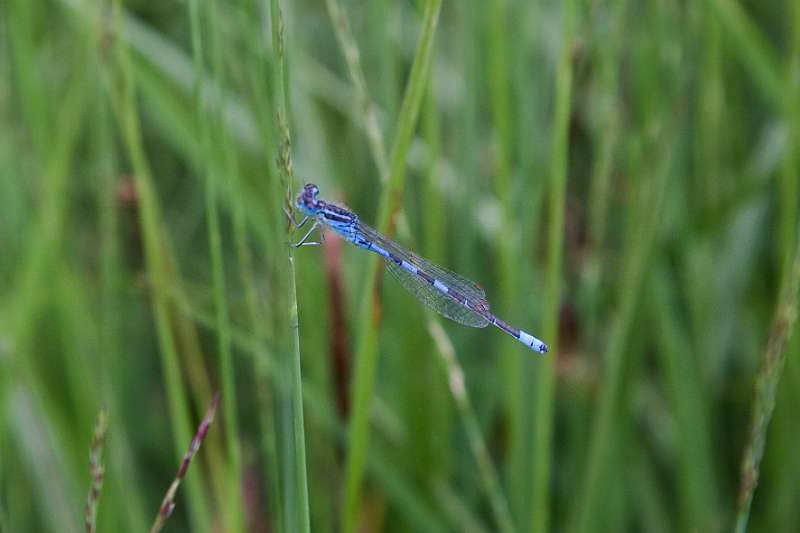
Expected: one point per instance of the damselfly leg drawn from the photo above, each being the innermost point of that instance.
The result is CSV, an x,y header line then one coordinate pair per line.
x,y
302,242
295,224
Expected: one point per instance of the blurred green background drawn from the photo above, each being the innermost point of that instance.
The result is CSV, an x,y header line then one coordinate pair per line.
x,y
620,176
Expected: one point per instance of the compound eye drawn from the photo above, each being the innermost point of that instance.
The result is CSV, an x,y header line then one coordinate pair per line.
x,y
310,193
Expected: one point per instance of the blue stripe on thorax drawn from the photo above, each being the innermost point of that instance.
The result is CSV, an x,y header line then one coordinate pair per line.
x,y
339,220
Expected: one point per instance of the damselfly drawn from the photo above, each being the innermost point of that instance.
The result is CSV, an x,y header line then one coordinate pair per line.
x,y
445,292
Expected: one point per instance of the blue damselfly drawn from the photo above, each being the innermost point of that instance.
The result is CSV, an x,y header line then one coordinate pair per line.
x,y
445,292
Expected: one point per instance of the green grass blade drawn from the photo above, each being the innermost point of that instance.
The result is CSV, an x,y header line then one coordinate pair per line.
x,y
160,269
295,477
458,388
699,501
758,57
601,443
367,342
766,387
213,171
366,106
551,301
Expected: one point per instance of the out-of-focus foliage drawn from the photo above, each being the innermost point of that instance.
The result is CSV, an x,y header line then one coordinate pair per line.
x,y
621,177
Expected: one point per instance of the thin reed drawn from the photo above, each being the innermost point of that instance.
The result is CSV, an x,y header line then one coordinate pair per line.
x,y
168,503
96,471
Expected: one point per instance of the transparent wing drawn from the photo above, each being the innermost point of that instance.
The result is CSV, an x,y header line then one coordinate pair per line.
x,y
468,288
424,291
434,299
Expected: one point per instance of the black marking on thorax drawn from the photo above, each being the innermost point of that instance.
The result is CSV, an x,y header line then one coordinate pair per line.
x,y
335,213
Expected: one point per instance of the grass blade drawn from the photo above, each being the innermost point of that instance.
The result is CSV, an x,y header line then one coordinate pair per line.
x,y
295,477
602,438
213,172
168,503
160,265
545,386
367,342
458,388
96,471
766,387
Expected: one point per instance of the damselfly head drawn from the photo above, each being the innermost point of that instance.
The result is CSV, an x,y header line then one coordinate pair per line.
x,y
307,199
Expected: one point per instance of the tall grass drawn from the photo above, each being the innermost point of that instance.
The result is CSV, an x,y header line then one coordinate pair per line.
x,y
620,177
370,310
